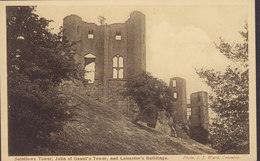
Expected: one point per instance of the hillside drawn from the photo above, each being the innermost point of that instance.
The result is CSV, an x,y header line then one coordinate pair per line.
x,y
101,129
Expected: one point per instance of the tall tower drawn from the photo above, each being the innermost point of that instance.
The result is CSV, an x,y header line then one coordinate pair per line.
x,y
72,27
199,109
178,86
136,45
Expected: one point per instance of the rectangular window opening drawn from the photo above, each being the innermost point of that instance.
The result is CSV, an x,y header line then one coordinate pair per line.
x,y
90,36
174,83
120,74
175,95
77,28
114,73
118,37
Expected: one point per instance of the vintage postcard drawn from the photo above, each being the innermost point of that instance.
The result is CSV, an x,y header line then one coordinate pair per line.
x,y
128,80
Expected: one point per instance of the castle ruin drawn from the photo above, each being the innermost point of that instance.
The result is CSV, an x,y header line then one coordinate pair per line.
x,y
112,53
198,105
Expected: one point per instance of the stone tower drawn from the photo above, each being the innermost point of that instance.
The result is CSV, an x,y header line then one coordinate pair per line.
x,y
199,109
109,53
178,86
198,104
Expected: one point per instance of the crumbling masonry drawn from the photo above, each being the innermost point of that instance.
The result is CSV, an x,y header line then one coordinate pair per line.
x,y
112,53
198,104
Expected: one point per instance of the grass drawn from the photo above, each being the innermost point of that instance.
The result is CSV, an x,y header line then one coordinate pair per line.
x,y
104,129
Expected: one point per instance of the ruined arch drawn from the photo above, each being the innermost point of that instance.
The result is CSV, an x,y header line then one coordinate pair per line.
x,y
90,67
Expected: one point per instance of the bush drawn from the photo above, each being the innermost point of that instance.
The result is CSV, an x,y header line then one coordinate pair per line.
x,y
151,95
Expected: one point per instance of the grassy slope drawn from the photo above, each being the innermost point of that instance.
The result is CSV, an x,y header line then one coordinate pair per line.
x,y
103,130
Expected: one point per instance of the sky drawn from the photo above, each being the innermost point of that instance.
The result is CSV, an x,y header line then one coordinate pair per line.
x,y
179,38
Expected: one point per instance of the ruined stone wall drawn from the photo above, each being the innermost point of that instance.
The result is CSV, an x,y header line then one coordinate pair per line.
x,y
178,86
71,25
104,45
199,110
132,47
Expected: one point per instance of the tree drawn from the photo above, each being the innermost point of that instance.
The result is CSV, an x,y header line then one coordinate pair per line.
x,y
101,20
229,98
37,62
150,94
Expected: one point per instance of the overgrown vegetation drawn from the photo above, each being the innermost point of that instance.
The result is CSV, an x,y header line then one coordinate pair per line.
x,y
37,62
230,131
40,116
103,129
151,95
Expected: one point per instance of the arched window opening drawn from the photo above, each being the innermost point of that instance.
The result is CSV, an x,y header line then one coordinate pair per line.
x,y
90,67
120,62
118,67
114,62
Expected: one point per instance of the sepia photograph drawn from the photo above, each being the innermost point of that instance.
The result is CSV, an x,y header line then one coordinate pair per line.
x,y
116,80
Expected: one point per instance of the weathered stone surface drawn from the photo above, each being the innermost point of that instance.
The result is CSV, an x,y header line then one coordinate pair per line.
x,y
104,46
127,41
199,109
178,86
198,105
